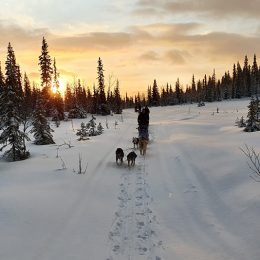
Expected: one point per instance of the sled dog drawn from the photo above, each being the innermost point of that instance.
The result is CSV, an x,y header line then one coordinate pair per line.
x,y
143,146
131,158
135,142
119,155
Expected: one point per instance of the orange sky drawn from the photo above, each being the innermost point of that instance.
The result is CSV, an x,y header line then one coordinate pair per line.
x,y
138,41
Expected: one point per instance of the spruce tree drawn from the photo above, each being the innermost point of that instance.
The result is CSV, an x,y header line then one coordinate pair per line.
x,y
46,77
68,99
10,105
58,105
100,129
247,78
155,94
2,85
117,99
178,92
102,103
255,77
82,132
193,90
27,107
41,128
252,124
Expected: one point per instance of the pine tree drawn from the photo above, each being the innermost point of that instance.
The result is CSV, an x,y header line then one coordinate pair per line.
x,y
41,128
178,92
68,99
2,85
193,90
10,105
2,80
239,82
252,124
255,77
27,106
233,93
58,105
117,99
155,94
91,126
102,103
247,78
46,77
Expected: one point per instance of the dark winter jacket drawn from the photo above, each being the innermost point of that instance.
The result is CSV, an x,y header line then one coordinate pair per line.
x,y
143,119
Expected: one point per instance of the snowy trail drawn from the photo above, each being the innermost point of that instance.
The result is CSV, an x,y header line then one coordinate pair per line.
x,y
198,222
70,233
132,234
190,198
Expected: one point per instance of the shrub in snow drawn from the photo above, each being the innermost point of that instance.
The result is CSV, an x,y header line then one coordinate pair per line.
x,y
82,132
100,129
41,128
241,122
77,112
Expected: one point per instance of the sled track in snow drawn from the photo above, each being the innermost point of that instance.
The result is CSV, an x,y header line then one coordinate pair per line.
x,y
132,234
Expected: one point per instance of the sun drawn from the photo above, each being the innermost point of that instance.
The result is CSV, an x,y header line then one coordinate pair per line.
x,y
61,88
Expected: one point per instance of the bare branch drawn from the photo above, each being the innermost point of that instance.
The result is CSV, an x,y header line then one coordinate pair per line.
x,y
254,160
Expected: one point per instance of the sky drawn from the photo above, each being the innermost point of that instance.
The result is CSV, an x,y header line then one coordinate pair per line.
x,y
138,40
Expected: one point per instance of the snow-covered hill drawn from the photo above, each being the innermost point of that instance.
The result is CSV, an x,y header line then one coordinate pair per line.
x,y
190,198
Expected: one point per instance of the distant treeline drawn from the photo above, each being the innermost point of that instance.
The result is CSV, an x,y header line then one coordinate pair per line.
x,y
244,82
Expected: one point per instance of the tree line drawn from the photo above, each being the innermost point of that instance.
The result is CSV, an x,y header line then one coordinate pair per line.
x,y
244,81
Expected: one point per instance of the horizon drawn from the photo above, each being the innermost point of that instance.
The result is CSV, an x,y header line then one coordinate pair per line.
x,y
137,41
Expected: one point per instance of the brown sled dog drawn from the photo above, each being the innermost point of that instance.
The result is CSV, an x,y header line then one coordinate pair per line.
x,y
119,155
131,158
135,142
143,146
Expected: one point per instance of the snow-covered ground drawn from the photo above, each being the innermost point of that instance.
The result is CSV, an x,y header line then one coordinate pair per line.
x,y
190,198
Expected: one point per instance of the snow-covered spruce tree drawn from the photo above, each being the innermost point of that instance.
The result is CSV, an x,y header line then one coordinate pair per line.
x,y
100,129
252,124
46,77
2,85
41,128
77,112
82,132
240,122
2,80
10,105
91,126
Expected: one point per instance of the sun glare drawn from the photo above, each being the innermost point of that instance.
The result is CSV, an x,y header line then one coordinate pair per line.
x,y
61,89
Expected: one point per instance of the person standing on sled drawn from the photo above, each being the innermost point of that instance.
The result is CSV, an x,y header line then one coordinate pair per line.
x,y
143,122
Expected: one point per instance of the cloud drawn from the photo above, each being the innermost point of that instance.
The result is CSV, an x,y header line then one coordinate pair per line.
x,y
20,37
162,50
217,8
95,40
177,57
150,56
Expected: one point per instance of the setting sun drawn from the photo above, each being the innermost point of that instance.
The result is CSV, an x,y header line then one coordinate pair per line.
x,y
61,88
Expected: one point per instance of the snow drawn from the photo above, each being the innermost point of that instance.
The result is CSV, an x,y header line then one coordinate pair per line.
x,y
191,197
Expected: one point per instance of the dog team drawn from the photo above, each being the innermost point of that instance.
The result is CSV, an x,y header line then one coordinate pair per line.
x,y
140,142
